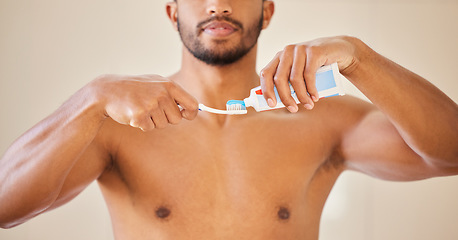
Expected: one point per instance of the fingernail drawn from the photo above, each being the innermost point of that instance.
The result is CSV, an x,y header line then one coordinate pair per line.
x,y
292,109
270,102
308,106
315,99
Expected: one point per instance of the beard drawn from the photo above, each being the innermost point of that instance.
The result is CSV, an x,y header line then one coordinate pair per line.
x,y
223,55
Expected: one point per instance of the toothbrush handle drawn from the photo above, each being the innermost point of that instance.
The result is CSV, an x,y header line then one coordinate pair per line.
x,y
207,109
217,111
211,110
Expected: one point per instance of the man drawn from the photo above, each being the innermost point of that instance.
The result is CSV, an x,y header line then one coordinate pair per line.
x,y
260,176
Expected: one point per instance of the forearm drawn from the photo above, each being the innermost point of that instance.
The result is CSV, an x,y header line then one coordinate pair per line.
x,y
424,116
34,168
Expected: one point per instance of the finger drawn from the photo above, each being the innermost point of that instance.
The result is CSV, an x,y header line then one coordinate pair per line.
x,y
267,80
121,115
281,78
147,124
171,111
315,59
142,121
158,117
188,103
297,76
134,123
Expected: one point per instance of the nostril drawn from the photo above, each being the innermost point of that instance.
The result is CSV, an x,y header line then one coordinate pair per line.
x,y
226,10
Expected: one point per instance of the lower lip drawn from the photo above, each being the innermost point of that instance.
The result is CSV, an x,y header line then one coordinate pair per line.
x,y
219,32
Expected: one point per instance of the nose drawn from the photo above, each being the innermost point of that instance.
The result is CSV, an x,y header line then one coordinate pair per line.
x,y
219,7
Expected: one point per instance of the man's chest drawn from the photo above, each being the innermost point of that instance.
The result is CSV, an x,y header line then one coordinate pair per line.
x,y
262,159
197,176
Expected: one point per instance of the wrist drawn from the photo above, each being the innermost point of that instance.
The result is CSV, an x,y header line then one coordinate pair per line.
x,y
93,101
361,57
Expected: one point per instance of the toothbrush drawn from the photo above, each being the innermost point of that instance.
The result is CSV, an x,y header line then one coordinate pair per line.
x,y
204,108
218,111
328,84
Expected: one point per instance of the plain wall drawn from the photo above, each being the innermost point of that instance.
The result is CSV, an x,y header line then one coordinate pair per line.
x,y
51,48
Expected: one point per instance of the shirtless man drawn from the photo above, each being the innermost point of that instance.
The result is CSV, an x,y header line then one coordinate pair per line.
x,y
258,176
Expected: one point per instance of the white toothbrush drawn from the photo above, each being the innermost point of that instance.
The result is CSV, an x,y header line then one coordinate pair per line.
x,y
218,111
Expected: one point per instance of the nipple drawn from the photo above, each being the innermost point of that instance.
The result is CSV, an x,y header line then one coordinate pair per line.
x,y
162,212
283,213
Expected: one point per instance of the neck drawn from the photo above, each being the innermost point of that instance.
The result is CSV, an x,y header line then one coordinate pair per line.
x,y
215,85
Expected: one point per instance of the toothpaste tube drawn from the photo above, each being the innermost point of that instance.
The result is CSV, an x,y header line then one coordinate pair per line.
x,y
328,84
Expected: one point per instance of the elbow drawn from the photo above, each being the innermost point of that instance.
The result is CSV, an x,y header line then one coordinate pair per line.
x,y
11,219
6,226
439,151
8,220
9,225
442,158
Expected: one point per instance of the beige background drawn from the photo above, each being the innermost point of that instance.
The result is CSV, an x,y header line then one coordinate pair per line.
x,y
51,48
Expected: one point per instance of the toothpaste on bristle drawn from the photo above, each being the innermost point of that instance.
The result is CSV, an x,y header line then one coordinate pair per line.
x,y
235,105
328,84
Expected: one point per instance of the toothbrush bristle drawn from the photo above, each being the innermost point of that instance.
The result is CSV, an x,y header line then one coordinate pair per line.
x,y
235,105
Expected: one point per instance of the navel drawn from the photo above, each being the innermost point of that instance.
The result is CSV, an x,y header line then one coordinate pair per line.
x,y
283,213
162,212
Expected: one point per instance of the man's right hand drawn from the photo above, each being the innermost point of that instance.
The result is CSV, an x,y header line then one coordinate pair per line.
x,y
146,102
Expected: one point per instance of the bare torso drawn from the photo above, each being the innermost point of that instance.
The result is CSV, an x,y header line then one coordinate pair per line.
x,y
261,176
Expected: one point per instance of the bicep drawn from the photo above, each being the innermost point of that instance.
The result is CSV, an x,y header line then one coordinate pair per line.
x,y
375,147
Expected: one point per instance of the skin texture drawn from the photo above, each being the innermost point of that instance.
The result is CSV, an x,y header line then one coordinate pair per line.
x,y
171,174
